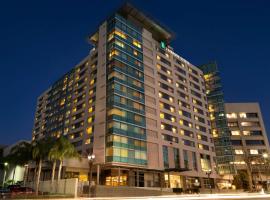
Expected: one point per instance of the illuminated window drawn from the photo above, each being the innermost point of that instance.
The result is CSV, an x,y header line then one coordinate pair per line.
x,y
161,115
231,115
158,57
90,119
246,132
238,151
135,52
90,110
89,130
136,43
243,115
62,102
160,94
92,82
181,122
121,44
254,151
172,109
87,141
122,35
162,126
235,132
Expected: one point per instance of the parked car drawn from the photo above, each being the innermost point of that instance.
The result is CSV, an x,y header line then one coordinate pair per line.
x,y
4,193
21,190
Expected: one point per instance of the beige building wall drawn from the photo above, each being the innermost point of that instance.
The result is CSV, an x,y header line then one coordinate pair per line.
x,y
248,132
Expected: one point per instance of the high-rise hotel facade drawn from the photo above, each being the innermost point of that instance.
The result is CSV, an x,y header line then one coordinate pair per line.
x,y
134,103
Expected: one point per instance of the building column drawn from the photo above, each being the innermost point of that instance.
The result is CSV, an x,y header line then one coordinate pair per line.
x,y
119,174
169,180
98,174
137,178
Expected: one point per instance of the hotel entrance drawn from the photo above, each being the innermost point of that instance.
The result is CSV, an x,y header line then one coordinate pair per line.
x,y
173,180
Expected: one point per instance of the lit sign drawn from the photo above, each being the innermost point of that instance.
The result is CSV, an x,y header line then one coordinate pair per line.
x,y
162,45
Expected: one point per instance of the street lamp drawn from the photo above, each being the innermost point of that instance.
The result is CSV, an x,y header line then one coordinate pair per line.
x,y
91,158
208,173
5,173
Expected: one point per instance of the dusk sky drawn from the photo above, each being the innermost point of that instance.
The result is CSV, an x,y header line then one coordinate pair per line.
x,y
41,40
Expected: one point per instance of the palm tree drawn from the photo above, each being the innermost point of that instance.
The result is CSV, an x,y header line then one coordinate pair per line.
x,y
41,149
54,157
64,149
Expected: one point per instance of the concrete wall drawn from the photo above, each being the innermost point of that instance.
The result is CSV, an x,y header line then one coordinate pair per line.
x,y
65,186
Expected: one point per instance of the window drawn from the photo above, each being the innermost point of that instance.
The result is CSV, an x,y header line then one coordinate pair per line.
x,y
176,157
186,159
188,143
194,161
238,152
237,142
232,124
165,157
250,124
242,115
255,142
235,132
254,151
231,116
205,162
253,133
89,130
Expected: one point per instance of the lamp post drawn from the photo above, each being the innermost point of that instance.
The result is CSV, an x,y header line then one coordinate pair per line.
x,y
208,173
91,158
5,173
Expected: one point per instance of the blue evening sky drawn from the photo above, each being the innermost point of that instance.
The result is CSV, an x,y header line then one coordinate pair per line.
x,y
41,40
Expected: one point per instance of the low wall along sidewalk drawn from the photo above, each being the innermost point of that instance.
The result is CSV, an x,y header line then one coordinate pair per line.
x,y
64,186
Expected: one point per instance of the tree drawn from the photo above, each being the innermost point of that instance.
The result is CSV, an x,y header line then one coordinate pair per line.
x,y
41,149
61,150
53,156
240,180
20,155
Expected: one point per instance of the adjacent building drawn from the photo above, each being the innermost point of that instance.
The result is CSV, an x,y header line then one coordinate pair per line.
x,y
249,138
219,126
135,104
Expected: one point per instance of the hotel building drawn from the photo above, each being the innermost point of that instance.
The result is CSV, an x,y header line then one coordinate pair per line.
x,y
249,138
134,103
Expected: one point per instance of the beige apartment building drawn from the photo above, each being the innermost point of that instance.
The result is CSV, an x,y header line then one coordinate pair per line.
x,y
249,139
135,104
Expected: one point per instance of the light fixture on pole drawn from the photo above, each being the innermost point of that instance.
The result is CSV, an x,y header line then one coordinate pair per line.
x,y
208,173
5,173
91,158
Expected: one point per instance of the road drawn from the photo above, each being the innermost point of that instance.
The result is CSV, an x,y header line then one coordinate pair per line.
x,y
193,197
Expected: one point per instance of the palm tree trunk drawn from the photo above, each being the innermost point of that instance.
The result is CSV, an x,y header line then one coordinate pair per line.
x,y
13,176
25,178
60,170
38,175
53,170
59,174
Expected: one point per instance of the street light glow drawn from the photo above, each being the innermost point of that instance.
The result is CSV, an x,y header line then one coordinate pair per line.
x,y
265,155
91,157
6,164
